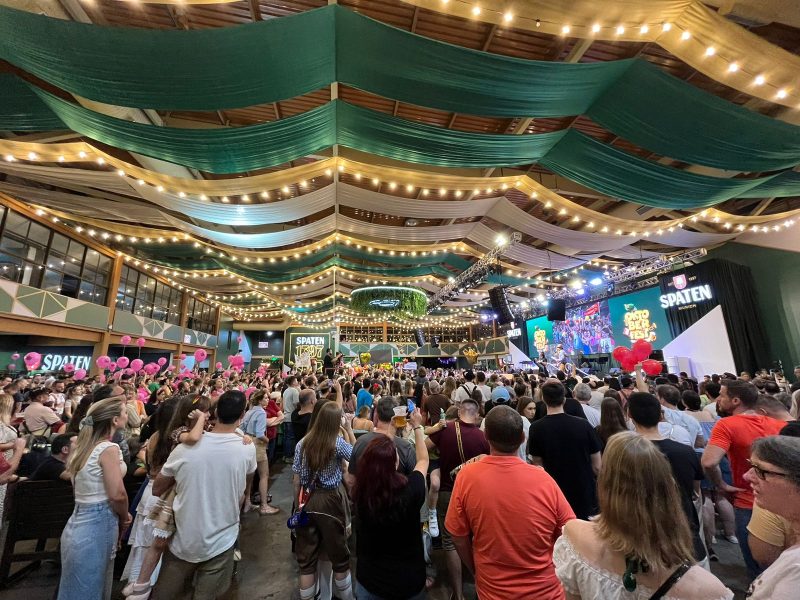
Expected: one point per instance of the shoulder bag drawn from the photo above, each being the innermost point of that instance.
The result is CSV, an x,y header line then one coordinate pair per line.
x,y
464,461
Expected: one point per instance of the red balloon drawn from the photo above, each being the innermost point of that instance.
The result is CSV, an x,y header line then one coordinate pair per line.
x,y
620,352
652,367
629,364
641,349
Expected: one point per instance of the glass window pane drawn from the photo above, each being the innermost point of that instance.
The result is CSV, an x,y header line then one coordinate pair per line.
x,y
16,224
11,244
59,244
52,281
70,286
39,235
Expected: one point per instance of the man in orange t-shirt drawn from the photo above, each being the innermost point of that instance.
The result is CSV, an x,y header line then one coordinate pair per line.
x,y
733,435
505,516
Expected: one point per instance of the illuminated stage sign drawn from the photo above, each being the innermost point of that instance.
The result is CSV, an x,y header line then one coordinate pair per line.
x,y
514,333
686,296
309,345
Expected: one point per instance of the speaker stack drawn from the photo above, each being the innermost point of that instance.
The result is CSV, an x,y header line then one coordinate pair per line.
x,y
557,310
419,336
499,300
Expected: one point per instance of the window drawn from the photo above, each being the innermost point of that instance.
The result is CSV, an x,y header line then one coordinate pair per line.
x,y
145,296
35,255
201,316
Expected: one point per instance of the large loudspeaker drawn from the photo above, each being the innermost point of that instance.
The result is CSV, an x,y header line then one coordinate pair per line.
x,y
419,336
657,355
557,310
497,296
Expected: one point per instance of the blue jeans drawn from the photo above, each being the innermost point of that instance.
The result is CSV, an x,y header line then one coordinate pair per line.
x,y
742,519
288,440
363,594
88,545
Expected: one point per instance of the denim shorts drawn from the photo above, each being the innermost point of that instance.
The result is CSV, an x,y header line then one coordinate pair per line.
x,y
88,546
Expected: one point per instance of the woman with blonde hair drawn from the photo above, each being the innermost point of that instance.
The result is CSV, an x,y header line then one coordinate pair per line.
x,y
450,386
89,541
318,472
640,546
8,437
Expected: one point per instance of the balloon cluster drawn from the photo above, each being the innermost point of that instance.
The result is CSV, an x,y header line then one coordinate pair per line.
x,y
639,352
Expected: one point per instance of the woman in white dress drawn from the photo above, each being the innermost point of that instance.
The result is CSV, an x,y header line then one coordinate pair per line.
x,y
640,545
8,435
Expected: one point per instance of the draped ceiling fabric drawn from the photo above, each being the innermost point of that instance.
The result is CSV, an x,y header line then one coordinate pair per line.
x,y
664,114
706,27
253,184
247,218
567,152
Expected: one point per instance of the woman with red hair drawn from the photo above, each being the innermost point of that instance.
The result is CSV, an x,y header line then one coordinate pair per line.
x,y
387,507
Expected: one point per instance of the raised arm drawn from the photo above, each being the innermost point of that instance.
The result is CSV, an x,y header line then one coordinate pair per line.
x,y
419,443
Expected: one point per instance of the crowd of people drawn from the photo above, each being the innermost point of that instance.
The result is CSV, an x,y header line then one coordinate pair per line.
x,y
538,487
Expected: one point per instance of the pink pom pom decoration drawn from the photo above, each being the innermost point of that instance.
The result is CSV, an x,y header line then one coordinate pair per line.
x,y
137,364
79,374
141,342
125,340
123,362
103,362
161,361
200,355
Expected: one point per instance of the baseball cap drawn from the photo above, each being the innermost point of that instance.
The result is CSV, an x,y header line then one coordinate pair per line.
x,y
500,394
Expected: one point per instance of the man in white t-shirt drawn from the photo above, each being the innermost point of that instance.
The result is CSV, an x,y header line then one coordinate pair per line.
x,y
465,390
583,394
669,396
486,391
210,479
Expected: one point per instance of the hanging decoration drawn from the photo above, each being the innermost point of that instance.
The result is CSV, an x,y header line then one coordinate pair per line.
x,y
406,301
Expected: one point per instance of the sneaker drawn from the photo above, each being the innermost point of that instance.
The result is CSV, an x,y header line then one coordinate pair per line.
x,y
433,526
732,539
712,556
713,539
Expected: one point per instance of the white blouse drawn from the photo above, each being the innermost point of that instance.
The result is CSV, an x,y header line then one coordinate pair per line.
x,y
88,482
593,583
781,580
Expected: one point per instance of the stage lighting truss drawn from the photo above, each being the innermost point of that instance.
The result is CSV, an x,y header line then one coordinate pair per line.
x,y
475,274
657,265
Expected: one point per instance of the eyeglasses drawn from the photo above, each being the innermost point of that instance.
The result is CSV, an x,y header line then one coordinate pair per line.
x,y
762,473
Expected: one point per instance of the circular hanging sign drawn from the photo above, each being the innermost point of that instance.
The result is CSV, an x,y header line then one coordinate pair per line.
x,y
402,301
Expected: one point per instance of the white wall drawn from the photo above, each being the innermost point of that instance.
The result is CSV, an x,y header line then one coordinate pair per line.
x,y
517,355
705,344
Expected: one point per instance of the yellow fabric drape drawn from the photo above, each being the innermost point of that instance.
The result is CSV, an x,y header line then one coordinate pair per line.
x,y
643,20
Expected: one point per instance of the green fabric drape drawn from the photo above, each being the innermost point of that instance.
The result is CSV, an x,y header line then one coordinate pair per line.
x,y
232,150
622,175
281,58
226,150
200,69
22,110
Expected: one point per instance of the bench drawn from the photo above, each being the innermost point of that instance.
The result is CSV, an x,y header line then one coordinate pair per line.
x,y
35,510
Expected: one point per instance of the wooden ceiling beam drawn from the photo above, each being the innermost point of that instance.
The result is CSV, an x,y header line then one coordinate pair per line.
x,y
255,10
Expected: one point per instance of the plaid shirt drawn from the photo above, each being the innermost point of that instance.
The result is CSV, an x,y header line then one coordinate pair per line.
x,y
328,478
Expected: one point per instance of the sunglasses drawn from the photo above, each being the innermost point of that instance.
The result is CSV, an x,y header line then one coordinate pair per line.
x,y
762,473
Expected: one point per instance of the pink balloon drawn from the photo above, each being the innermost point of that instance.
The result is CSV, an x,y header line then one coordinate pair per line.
x,y
32,360
130,372
15,356
141,342
218,366
69,368
200,355
226,374
183,356
112,367
101,378
123,362
103,362
162,361
183,365
171,368
151,368
79,374
12,367
248,392
137,364
125,340
143,394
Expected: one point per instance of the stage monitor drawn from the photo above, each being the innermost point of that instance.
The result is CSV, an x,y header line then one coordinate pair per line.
x,y
557,310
